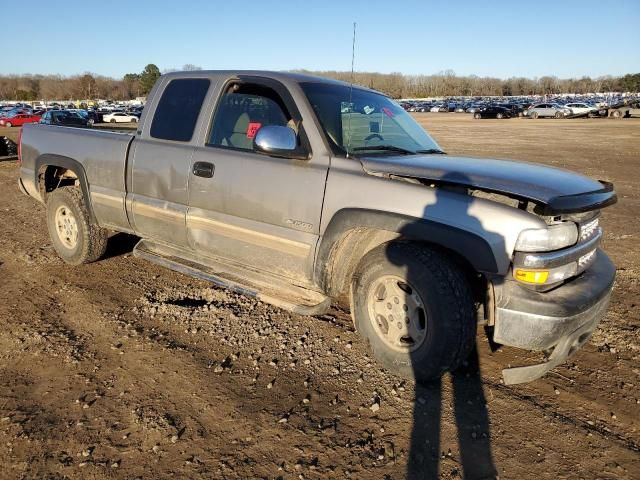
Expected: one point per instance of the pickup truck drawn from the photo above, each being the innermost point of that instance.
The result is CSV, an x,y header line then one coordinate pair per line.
x,y
306,192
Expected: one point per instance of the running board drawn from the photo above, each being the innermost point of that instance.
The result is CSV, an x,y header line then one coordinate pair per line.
x,y
269,289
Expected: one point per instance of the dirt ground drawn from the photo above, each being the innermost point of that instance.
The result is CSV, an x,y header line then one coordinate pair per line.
x,y
121,369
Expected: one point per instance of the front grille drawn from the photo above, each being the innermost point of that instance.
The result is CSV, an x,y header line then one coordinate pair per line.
x,y
586,260
589,229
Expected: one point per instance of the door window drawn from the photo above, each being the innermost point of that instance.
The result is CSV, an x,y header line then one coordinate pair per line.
x,y
242,111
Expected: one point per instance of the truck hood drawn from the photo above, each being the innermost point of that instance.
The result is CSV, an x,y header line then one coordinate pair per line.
x,y
555,190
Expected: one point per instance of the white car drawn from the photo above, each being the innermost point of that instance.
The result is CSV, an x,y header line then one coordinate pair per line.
x,y
119,117
577,108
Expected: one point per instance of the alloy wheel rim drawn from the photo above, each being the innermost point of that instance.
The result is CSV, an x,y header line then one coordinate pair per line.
x,y
397,313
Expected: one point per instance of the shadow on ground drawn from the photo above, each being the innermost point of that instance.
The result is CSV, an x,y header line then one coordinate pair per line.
x,y
120,244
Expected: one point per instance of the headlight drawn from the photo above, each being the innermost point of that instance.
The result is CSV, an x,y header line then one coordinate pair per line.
x,y
554,237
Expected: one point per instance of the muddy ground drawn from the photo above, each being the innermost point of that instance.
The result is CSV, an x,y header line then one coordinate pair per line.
x,y
121,369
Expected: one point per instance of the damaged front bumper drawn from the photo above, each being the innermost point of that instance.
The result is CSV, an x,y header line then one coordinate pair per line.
x,y
560,321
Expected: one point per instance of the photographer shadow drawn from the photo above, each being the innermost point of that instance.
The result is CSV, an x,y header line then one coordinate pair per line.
x,y
469,403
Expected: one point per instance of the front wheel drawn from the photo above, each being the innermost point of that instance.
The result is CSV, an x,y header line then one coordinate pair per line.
x,y
477,116
499,115
75,237
8,124
415,308
113,120
559,115
534,115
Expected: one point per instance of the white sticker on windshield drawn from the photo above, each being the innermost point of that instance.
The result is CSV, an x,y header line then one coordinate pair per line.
x,y
367,109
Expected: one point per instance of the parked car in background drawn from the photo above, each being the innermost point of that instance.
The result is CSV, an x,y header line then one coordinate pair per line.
x,y
577,108
19,119
84,114
136,112
634,110
548,110
95,116
492,111
119,117
517,109
473,108
64,118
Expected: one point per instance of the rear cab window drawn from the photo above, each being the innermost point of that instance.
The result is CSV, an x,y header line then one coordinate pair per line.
x,y
177,112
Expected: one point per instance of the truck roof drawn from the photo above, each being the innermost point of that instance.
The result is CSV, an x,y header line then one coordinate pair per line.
x,y
283,77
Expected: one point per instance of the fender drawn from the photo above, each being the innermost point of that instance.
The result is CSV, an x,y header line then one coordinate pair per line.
x,y
48,159
475,249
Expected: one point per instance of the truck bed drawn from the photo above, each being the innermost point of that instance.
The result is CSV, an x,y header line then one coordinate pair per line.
x,y
101,154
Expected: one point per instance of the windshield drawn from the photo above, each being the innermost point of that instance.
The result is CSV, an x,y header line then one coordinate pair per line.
x,y
368,122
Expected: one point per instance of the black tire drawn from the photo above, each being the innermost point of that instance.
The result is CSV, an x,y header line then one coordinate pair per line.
x,y
558,115
134,120
8,125
477,116
616,114
113,120
534,115
499,115
91,241
448,313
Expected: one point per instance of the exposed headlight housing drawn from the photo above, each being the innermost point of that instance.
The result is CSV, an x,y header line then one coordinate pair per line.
x,y
554,275
554,237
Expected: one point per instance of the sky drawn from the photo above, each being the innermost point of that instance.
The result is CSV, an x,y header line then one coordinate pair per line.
x,y
565,38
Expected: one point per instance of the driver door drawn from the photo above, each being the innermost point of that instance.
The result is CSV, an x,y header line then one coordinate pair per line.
x,y
253,209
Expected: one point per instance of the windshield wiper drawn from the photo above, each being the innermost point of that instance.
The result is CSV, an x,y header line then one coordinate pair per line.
x,y
432,150
383,148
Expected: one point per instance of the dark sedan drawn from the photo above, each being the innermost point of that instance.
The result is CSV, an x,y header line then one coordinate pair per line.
x,y
64,118
493,111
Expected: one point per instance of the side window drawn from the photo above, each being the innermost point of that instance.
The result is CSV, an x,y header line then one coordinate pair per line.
x,y
242,111
177,111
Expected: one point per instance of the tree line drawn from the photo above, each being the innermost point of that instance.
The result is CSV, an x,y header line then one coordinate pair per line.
x,y
87,86
92,86
448,84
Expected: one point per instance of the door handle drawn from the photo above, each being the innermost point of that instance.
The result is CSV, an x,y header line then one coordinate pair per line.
x,y
203,169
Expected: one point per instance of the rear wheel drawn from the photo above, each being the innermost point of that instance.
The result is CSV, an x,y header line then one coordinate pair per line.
x,y
75,237
558,115
415,308
113,120
134,120
616,114
499,115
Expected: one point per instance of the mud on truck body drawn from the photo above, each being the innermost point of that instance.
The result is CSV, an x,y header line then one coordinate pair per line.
x,y
305,192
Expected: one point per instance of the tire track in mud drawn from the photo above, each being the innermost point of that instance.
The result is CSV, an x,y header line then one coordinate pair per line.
x,y
587,425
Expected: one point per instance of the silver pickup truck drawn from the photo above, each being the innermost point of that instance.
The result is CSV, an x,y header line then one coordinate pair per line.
x,y
305,192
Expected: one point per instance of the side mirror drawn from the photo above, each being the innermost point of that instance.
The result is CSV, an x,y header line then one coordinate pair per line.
x,y
277,141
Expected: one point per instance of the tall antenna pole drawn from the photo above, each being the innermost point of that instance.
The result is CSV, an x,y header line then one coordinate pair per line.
x,y
353,57
353,51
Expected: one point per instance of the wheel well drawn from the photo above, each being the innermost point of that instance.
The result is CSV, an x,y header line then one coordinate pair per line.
x,y
51,177
347,253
